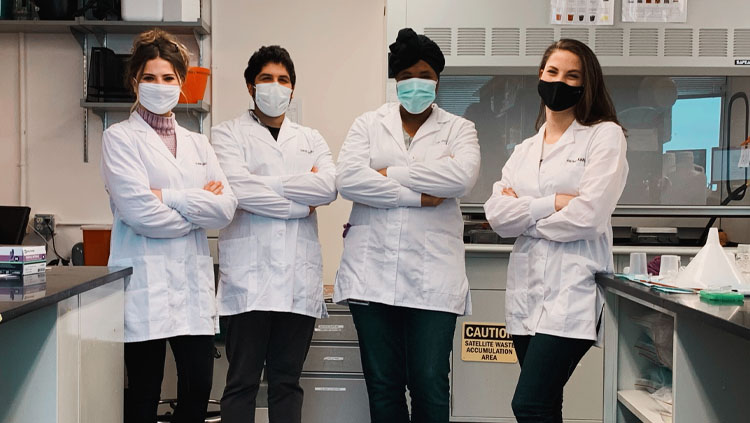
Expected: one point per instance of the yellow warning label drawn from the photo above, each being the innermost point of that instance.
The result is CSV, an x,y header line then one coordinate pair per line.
x,y
488,342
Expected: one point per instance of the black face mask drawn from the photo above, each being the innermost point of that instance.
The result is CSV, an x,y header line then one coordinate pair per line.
x,y
559,96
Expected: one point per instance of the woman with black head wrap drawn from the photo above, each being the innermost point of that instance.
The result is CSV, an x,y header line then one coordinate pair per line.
x,y
405,165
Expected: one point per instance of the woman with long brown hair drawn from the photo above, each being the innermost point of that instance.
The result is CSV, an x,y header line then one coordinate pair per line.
x,y
556,196
166,188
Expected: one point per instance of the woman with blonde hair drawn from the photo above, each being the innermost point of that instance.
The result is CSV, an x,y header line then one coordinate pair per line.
x,y
166,188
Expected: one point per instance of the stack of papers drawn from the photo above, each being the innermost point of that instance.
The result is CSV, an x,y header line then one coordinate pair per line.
x,y
654,283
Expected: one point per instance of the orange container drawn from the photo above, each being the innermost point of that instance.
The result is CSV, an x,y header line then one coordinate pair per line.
x,y
195,85
96,244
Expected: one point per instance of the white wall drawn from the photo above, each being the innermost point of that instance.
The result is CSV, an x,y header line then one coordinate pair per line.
x,y
59,182
339,50
9,158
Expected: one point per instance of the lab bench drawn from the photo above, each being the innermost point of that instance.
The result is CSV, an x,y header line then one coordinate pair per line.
x,y
482,392
61,348
707,345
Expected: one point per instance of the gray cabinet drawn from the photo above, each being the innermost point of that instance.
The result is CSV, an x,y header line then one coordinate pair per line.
x,y
483,391
335,389
330,399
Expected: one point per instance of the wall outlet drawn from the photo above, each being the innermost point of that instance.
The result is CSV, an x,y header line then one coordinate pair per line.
x,y
45,225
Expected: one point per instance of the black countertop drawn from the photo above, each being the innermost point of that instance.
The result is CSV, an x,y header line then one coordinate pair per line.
x,y
733,319
61,283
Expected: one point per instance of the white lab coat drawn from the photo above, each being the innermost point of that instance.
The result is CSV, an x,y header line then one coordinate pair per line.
x,y
269,255
171,291
395,252
551,287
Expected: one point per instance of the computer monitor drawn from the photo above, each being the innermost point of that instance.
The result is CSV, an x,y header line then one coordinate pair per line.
x,y
13,221
719,165
699,156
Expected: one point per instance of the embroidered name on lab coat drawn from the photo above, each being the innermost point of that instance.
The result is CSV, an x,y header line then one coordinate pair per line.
x,y
578,160
304,150
200,163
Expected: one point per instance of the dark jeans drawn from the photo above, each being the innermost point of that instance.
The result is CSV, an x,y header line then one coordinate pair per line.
x,y
547,362
281,341
403,347
144,364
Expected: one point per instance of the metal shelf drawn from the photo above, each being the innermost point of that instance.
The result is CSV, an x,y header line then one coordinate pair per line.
x,y
199,107
36,27
80,25
84,31
656,211
199,27
682,211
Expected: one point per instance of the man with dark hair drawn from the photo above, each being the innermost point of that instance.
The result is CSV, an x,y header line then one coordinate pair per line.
x,y
270,260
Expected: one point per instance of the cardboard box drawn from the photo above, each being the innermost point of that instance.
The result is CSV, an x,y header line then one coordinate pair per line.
x,y
23,293
22,269
22,253
7,280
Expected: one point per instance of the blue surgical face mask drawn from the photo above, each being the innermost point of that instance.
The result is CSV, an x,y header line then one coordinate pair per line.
x,y
416,94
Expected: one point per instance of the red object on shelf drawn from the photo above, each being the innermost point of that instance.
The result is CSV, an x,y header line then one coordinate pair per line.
x,y
195,85
96,244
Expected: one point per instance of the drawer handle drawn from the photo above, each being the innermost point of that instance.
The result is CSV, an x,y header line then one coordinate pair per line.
x,y
333,358
329,389
329,328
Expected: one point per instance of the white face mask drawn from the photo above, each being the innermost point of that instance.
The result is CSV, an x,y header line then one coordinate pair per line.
x,y
272,99
158,98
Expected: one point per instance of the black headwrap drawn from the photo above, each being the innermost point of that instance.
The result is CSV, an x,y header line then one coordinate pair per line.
x,y
410,48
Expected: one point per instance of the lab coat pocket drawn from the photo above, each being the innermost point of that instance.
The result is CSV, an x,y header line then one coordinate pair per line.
x,y
238,266
313,272
518,284
437,150
444,264
206,286
146,293
577,296
199,174
354,259
569,180
302,159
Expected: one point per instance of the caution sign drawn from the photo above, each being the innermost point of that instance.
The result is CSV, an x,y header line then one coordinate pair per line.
x,y
487,342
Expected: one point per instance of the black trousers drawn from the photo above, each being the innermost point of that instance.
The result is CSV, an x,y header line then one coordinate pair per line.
x,y
547,362
281,341
144,364
405,347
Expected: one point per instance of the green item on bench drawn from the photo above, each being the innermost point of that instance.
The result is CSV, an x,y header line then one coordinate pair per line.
x,y
721,296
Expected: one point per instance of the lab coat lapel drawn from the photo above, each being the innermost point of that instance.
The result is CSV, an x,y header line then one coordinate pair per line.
x,y
433,124
260,132
286,133
183,139
569,135
533,160
152,138
392,122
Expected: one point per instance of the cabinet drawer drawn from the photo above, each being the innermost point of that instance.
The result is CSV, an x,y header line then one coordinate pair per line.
x,y
337,327
334,400
333,359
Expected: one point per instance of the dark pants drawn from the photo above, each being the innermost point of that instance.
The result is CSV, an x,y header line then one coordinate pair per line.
x,y
144,363
547,362
281,341
403,347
